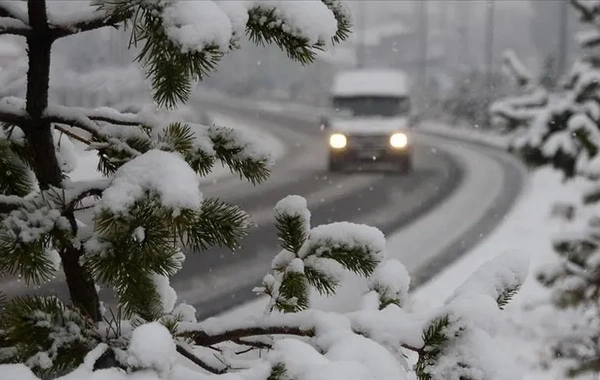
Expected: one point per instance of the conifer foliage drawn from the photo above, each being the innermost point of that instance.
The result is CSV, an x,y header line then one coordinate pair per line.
x,y
560,127
148,212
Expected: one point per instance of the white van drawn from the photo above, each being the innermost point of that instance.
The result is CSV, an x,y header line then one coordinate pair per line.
x,y
372,114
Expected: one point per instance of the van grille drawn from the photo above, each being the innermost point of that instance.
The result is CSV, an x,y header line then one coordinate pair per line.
x,y
368,142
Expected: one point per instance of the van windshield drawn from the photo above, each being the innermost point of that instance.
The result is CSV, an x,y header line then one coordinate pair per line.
x,y
382,106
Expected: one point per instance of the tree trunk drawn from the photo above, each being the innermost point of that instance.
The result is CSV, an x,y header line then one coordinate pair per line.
x,y
41,147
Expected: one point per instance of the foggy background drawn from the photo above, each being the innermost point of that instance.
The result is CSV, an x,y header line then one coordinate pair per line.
x,y
451,50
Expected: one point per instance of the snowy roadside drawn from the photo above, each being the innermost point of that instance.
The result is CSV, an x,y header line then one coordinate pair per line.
x,y
463,133
526,231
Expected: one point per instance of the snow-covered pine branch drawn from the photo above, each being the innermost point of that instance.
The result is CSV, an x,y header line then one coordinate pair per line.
x,y
14,10
558,129
453,341
589,10
513,65
563,131
9,25
589,38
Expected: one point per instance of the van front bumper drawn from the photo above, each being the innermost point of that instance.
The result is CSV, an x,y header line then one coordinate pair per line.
x,y
362,155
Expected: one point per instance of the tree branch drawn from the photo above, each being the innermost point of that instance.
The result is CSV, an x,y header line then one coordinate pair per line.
x,y
9,25
9,203
79,119
114,117
72,135
201,338
204,339
100,21
11,114
587,14
200,363
93,192
253,344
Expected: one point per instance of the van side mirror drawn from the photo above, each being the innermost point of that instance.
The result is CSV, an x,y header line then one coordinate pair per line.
x,y
324,123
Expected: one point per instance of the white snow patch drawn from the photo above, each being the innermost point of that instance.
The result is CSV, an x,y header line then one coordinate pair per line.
x,y
346,234
507,271
139,234
17,371
168,295
391,281
186,312
54,258
164,173
152,347
294,206
194,25
65,152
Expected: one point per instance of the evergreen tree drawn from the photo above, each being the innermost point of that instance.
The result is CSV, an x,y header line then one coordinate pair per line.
x,y
148,210
549,75
561,129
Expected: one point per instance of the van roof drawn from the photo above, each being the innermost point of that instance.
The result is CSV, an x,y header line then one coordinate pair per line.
x,y
370,82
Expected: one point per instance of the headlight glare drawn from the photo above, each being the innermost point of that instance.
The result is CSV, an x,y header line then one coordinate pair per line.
x,y
399,140
337,141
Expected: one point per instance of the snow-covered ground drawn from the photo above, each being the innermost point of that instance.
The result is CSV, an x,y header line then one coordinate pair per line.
x,y
527,231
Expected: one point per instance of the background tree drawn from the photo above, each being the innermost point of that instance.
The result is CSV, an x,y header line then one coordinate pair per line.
x,y
561,129
471,96
549,75
148,209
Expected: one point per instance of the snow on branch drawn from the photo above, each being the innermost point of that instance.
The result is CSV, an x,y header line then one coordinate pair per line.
x,y
588,9
499,278
9,25
114,133
12,111
308,323
84,21
15,10
588,38
85,120
516,68
10,203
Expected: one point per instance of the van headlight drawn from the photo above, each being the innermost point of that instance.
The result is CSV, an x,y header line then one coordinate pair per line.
x,y
338,141
399,140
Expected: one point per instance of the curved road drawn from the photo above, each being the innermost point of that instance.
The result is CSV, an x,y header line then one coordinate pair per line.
x,y
219,279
